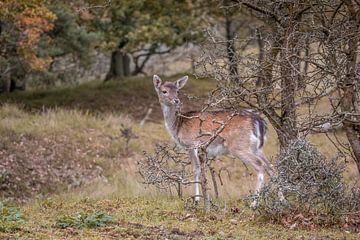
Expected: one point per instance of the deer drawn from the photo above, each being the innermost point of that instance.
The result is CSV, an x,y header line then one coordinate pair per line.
x,y
242,135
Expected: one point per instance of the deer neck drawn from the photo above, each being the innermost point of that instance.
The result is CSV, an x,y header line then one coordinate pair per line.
x,y
171,118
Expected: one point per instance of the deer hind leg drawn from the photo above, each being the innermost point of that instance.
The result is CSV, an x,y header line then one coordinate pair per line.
x,y
193,153
267,165
260,168
270,171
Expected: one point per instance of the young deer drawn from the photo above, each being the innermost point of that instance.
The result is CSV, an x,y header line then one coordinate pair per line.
x,y
242,135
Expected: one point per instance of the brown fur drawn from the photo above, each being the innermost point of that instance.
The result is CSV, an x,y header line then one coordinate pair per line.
x,y
189,129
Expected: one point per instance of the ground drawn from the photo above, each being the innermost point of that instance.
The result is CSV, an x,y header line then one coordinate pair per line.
x,y
155,217
67,173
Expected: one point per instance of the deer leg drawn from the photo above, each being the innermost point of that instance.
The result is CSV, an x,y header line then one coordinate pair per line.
x,y
267,165
260,181
259,166
193,153
270,171
259,185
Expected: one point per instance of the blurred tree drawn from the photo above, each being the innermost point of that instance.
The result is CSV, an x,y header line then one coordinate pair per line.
x,y
71,38
35,31
68,36
22,23
144,28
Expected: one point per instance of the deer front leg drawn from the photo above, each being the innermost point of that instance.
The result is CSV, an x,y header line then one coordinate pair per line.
x,y
193,153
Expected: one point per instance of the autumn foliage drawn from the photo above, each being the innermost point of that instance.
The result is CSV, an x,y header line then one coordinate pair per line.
x,y
33,22
30,19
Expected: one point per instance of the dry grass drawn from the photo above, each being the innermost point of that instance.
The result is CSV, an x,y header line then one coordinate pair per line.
x,y
150,215
57,149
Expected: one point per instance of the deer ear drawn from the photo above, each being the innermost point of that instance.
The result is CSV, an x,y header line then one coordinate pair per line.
x,y
156,81
181,82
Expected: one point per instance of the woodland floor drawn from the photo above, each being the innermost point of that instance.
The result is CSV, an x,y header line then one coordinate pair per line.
x,y
66,172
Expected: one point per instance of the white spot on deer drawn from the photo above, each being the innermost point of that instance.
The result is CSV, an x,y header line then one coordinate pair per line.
x,y
216,150
255,141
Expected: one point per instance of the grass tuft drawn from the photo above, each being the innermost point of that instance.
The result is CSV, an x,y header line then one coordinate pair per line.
x,y
10,218
80,220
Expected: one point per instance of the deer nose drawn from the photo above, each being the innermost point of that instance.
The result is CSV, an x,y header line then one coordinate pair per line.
x,y
176,101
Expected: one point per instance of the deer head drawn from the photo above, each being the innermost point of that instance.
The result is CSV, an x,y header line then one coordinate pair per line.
x,y
168,91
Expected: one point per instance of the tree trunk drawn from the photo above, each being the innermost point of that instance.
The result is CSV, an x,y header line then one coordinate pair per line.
x,y
265,82
348,105
7,84
261,56
289,79
302,78
285,122
231,50
348,101
204,184
120,66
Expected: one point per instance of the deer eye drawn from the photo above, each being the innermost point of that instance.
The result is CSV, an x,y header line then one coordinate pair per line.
x,y
164,92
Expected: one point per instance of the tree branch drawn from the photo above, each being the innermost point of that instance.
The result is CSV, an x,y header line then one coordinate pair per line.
x,y
261,10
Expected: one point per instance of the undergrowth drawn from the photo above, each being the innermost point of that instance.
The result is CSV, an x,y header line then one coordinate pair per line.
x,y
88,219
314,189
11,218
150,217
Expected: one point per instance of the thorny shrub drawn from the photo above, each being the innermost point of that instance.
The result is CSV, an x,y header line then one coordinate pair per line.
x,y
165,169
169,168
313,187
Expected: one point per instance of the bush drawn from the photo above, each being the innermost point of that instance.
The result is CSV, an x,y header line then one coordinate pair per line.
x,y
84,220
312,185
166,169
10,218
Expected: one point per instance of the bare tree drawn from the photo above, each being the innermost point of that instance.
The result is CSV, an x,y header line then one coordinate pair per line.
x,y
308,56
349,87
303,78
338,27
